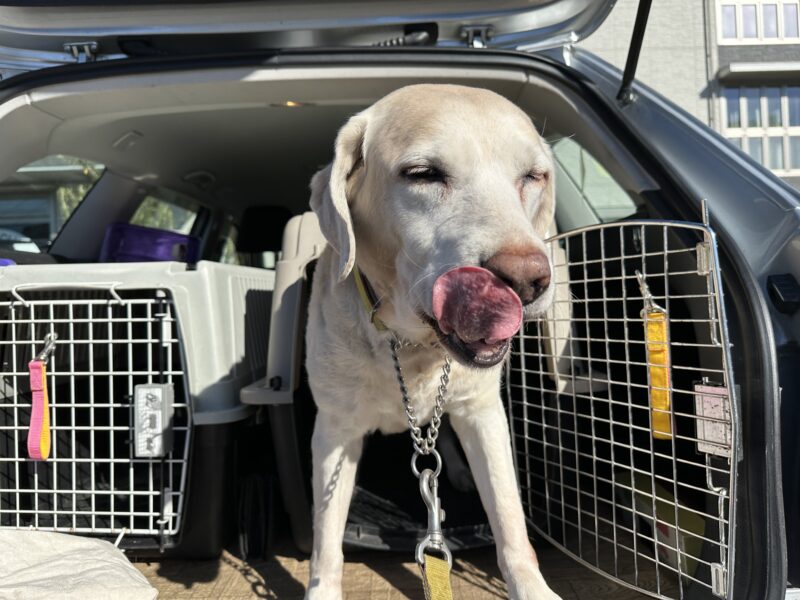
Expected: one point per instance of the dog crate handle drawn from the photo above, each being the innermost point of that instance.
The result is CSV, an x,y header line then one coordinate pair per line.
x,y
110,286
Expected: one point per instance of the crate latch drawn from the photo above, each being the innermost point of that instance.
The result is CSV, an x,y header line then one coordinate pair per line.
x,y
718,580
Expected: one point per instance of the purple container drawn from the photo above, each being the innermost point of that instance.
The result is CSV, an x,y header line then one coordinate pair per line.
x,y
132,243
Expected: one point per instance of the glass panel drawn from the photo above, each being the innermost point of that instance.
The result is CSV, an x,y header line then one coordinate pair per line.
x,y
790,21
749,29
770,20
736,142
773,106
775,152
728,21
794,152
754,149
166,210
734,118
753,107
588,185
793,97
37,200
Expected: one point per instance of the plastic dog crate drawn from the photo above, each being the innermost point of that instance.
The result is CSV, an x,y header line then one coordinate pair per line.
x,y
623,410
143,387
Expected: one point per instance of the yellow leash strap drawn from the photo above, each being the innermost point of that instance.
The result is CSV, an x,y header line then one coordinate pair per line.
x,y
656,327
436,578
371,303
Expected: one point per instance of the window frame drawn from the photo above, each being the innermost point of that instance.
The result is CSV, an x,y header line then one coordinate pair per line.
x,y
744,133
760,39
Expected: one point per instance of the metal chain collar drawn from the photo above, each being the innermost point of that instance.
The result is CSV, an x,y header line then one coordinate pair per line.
x,y
422,445
428,479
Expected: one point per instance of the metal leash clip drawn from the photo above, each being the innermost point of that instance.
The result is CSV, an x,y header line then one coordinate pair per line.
x,y
434,540
49,347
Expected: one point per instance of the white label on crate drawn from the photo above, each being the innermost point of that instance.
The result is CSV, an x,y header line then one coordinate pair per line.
x,y
152,417
713,420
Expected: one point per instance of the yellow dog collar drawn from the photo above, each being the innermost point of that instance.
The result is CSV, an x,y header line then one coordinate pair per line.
x,y
368,298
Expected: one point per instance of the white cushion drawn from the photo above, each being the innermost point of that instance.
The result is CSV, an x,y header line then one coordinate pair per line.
x,y
41,564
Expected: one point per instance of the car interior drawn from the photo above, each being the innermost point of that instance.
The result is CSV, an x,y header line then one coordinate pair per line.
x,y
237,140
226,156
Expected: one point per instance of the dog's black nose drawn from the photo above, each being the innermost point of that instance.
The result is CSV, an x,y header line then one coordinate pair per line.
x,y
525,270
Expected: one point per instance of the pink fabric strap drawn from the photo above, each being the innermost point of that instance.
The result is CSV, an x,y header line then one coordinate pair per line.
x,y
39,428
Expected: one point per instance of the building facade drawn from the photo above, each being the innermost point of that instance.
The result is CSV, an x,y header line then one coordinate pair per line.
x,y
733,64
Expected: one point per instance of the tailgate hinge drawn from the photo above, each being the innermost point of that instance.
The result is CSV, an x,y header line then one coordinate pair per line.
x,y
476,36
82,51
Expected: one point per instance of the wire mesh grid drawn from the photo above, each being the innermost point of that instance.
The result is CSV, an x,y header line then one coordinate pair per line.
x,y
93,482
625,445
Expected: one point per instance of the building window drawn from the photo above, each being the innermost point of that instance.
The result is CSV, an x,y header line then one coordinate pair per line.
x,y
764,122
790,24
758,21
794,152
752,101
749,21
728,22
734,118
793,101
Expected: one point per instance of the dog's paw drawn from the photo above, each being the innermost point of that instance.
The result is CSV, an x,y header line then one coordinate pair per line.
x,y
530,585
319,590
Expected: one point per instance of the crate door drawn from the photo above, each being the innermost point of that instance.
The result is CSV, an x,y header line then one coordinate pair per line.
x,y
622,412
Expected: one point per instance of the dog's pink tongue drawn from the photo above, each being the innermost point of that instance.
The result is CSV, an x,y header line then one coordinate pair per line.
x,y
476,305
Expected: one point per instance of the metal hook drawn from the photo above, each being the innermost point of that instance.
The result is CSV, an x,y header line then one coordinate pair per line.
x,y
49,347
429,488
647,296
644,290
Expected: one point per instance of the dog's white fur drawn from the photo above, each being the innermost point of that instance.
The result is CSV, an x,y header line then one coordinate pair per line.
x,y
403,235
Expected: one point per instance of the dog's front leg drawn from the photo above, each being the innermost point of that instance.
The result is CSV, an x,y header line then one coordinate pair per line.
x,y
483,430
336,448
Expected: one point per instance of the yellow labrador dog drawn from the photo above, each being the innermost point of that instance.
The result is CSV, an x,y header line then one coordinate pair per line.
x,y
441,196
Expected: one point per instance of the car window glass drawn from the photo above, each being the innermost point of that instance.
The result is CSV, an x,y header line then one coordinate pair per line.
x,y
167,210
584,186
38,198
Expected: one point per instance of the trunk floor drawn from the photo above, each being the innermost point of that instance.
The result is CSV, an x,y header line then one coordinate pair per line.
x,y
367,575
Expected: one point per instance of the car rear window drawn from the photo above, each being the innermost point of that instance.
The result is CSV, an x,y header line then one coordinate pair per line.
x,y
38,198
167,210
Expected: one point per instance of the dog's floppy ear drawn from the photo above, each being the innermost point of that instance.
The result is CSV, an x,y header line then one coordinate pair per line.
x,y
329,193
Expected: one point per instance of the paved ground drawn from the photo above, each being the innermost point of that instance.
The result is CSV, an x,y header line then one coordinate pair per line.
x,y
372,575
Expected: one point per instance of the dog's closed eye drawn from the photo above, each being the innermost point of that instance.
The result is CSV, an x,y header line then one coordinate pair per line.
x,y
424,174
534,176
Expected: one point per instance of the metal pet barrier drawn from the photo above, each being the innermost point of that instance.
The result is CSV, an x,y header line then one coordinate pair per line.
x,y
623,413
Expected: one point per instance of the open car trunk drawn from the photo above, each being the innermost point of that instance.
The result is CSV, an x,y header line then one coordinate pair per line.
x,y
258,132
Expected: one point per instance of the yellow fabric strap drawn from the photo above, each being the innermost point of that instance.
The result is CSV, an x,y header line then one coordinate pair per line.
x,y
658,360
436,578
370,303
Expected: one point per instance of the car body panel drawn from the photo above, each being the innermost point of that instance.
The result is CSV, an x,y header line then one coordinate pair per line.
x,y
36,35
